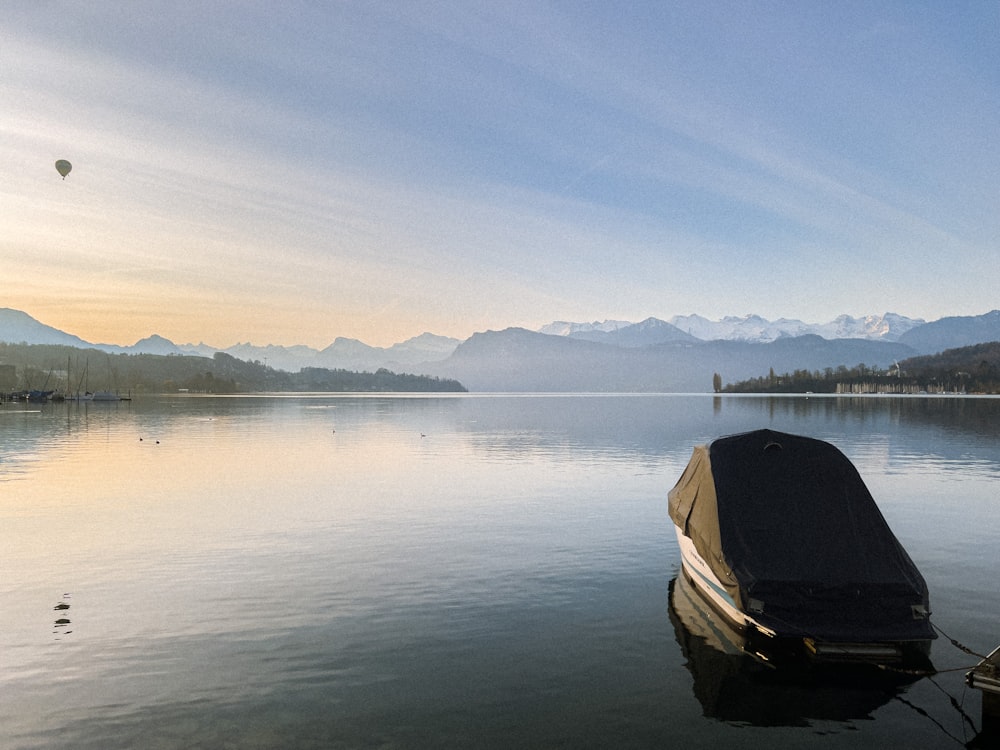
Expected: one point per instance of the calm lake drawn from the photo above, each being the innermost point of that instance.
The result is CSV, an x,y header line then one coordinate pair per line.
x,y
466,571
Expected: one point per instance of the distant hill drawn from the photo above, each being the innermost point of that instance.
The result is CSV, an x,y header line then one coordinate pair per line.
x,y
73,370
969,369
288,358
978,360
636,335
17,327
520,360
356,355
953,332
653,355
155,345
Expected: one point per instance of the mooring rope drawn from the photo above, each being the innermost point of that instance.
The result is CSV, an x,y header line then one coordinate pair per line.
x,y
956,704
926,715
934,670
955,643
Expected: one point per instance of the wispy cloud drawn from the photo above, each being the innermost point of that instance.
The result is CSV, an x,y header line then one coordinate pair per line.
x,y
374,170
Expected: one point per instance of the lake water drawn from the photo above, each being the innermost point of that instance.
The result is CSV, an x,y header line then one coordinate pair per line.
x,y
441,571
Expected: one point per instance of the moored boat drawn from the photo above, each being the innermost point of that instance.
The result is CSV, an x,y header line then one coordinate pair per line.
x,y
780,535
735,683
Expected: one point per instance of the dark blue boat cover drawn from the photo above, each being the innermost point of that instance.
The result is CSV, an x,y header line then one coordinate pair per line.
x,y
810,551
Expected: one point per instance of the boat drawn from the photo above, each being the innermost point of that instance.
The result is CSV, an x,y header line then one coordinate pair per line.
x,y
781,537
735,684
104,396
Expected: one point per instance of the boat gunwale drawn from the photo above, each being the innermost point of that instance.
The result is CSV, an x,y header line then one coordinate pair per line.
x,y
710,590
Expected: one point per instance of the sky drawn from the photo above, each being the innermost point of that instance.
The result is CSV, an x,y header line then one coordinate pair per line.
x,y
289,173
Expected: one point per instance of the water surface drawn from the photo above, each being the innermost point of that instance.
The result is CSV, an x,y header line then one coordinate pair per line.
x,y
440,571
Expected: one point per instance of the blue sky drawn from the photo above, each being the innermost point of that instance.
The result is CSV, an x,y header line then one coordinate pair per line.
x,y
292,172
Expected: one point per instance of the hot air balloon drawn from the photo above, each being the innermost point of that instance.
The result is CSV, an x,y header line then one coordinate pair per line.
x,y
63,167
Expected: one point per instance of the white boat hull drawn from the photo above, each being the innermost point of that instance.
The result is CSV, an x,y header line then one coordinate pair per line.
x,y
711,588
707,584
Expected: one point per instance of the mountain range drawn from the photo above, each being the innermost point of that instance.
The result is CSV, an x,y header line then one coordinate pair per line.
x,y
752,328
652,355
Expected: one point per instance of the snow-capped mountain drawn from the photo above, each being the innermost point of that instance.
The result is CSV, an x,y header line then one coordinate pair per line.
x,y
649,332
886,327
690,338
755,329
732,328
563,328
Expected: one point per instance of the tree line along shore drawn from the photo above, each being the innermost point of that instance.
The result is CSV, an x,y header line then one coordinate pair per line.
x,y
969,369
64,370
71,371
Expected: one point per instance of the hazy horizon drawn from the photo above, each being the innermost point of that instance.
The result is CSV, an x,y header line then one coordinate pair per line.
x,y
728,326
276,174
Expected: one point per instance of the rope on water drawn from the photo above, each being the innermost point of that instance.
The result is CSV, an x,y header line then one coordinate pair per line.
x,y
914,672
958,706
926,715
956,644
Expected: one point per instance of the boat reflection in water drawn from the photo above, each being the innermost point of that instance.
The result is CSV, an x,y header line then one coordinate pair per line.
x,y
735,682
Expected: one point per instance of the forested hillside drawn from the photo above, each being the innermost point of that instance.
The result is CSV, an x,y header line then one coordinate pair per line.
x,y
70,370
968,369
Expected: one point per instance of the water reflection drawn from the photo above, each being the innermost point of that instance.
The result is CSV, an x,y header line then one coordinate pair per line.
x,y
659,425
970,415
734,686
333,578
604,426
